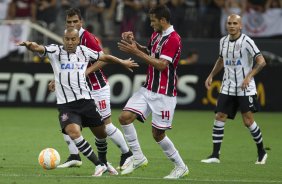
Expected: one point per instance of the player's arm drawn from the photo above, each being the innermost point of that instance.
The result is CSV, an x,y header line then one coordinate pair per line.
x,y
127,63
260,63
217,68
33,46
159,64
95,67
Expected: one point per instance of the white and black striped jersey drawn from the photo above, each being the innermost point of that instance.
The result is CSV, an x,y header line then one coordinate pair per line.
x,y
238,57
69,70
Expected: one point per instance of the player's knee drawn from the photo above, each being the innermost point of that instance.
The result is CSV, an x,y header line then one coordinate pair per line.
x,y
248,118
158,135
74,134
248,121
126,118
73,131
99,132
220,116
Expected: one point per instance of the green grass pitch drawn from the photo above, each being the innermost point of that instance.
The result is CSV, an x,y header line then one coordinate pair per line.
x,y
24,132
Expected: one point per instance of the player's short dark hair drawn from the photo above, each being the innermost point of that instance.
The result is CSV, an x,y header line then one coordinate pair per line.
x,y
72,12
160,11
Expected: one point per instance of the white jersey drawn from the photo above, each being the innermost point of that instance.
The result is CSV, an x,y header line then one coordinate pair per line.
x,y
69,70
238,57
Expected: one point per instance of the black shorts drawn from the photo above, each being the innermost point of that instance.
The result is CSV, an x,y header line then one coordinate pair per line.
x,y
229,105
81,112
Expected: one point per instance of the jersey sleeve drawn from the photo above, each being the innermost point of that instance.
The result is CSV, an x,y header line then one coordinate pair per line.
x,y
252,48
93,55
170,48
51,50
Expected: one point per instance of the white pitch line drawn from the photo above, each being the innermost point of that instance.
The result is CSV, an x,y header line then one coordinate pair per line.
x,y
145,178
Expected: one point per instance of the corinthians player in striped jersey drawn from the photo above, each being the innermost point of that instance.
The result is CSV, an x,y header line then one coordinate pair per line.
x,y
237,55
158,94
75,104
100,91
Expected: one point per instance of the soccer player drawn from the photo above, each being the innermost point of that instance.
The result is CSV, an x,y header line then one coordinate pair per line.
x,y
75,104
100,92
158,94
237,55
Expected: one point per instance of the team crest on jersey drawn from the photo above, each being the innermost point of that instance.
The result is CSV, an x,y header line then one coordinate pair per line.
x,y
65,117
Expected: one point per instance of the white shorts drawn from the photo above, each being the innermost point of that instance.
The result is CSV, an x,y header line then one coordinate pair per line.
x,y
102,101
143,102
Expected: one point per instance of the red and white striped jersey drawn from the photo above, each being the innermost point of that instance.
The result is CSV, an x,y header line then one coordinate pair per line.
x,y
96,80
166,45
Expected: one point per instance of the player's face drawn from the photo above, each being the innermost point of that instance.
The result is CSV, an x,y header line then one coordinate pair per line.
x,y
234,26
155,23
73,22
71,41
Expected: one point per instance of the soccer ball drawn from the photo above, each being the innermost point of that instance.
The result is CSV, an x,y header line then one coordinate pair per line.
x,y
49,158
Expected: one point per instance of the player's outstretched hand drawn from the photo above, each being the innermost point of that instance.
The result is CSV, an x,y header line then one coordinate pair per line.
x,y
129,64
32,46
26,44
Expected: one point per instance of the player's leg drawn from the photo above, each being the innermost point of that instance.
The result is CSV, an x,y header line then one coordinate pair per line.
x,y
163,108
180,168
138,160
102,100
74,159
91,118
136,108
73,130
117,137
102,146
226,108
248,106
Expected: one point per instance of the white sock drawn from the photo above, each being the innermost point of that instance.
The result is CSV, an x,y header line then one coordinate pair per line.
x,y
71,145
78,140
171,152
132,140
219,123
253,126
116,136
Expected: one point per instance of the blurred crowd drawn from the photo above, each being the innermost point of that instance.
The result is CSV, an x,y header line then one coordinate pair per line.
x,y
108,18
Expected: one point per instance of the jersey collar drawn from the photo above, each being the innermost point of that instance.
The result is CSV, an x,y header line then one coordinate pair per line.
x,y
169,30
81,31
235,39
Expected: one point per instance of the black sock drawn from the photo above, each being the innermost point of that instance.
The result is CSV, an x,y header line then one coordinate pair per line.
x,y
102,147
85,148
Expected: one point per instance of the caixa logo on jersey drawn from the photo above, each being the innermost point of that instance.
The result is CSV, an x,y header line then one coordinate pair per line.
x,y
233,62
72,66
